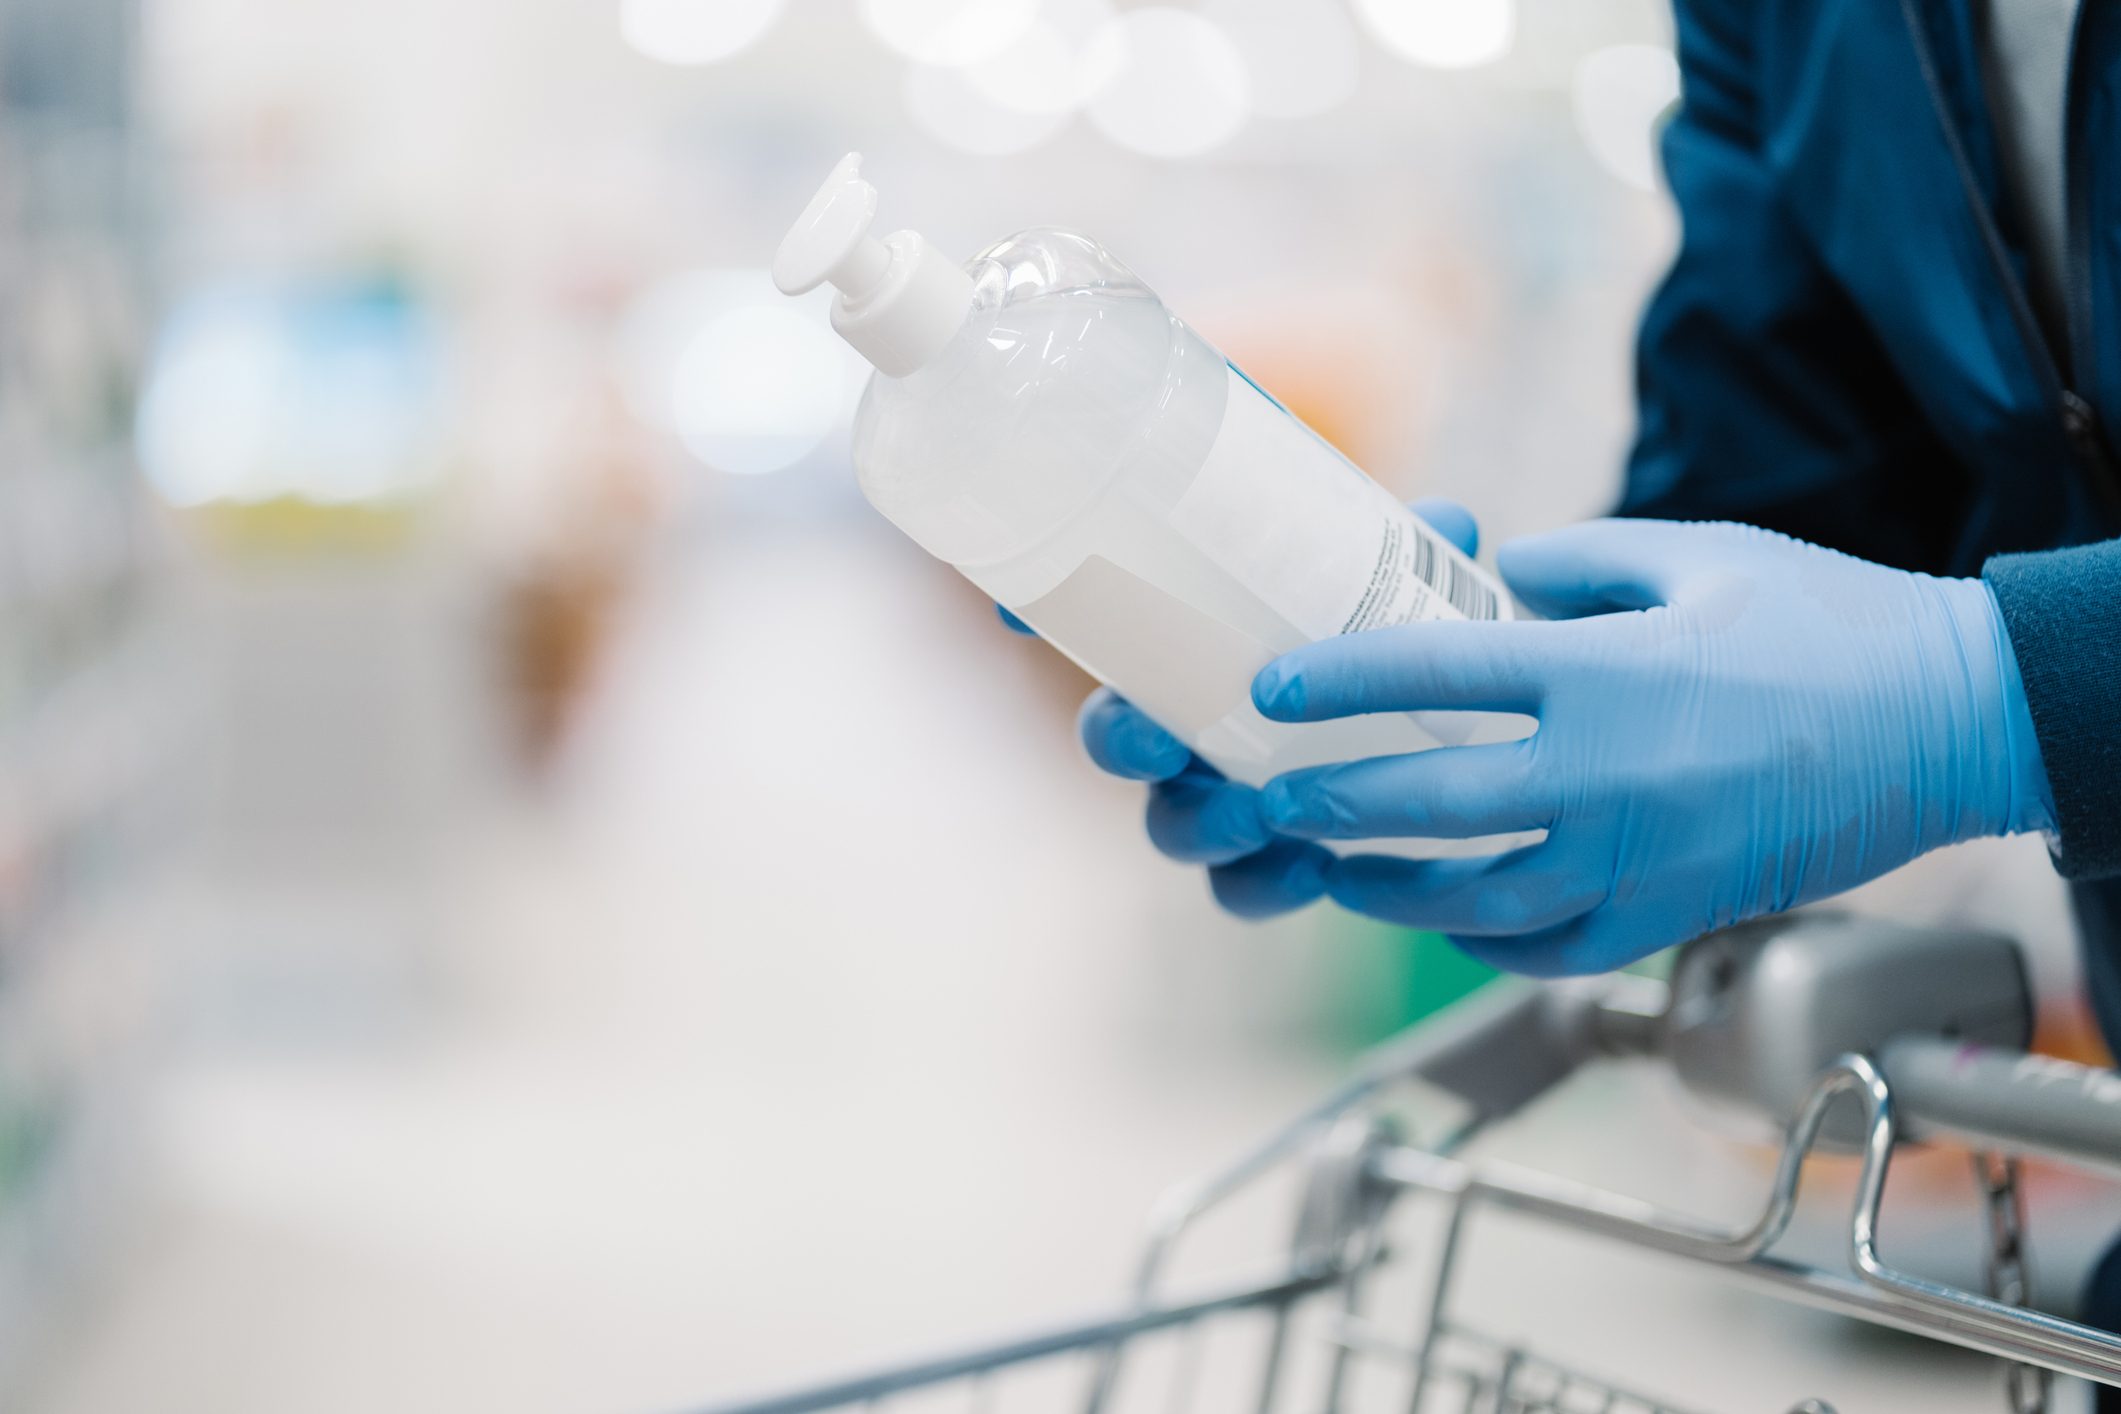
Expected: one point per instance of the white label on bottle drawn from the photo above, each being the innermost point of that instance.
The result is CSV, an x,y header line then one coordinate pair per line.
x,y
1322,544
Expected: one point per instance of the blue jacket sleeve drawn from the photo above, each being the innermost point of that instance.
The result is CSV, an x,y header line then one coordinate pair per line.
x,y
1763,396
2062,609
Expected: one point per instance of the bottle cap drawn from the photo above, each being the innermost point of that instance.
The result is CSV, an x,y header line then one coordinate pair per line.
x,y
900,299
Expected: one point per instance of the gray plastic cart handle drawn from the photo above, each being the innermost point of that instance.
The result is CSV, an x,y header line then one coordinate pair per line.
x,y
1990,1098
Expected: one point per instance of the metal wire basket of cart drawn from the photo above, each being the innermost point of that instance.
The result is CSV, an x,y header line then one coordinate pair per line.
x,y
1853,1035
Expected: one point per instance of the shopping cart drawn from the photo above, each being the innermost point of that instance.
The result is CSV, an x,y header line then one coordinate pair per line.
x,y
1853,1035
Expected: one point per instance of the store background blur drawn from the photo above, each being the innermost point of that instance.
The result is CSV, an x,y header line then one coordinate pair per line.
x,y
516,888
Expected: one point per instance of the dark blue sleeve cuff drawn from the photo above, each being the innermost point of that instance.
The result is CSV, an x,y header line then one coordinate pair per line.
x,y
2062,609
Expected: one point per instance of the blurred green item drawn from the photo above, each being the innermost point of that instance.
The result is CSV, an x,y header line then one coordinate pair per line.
x,y
1387,978
28,1133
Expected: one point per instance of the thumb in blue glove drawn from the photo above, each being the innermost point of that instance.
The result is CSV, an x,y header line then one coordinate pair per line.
x,y
1731,723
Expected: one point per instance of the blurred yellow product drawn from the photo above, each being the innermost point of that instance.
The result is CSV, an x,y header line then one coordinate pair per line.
x,y
297,525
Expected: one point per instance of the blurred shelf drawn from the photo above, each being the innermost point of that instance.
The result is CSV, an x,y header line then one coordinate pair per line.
x,y
86,674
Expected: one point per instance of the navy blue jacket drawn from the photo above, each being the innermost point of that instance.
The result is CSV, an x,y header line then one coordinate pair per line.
x,y
1844,350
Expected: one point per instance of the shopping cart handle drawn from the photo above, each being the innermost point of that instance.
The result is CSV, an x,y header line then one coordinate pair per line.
x,y
1989,1097
1757,1011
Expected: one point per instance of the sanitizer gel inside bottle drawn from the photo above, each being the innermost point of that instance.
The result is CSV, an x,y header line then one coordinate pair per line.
x,y
1039,420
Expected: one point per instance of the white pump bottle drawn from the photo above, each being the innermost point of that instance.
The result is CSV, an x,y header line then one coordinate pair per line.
x,y
1040,421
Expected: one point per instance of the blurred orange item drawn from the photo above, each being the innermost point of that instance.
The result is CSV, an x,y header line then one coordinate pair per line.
x,y
2065,1029
1358,363
557,614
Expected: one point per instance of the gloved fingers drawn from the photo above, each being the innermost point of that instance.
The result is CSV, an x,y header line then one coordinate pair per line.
x,y
1598,940
1503,895
1450,520
1450,792
1608,566
1446,665
1122,739
1015,624
1198,817
1284,876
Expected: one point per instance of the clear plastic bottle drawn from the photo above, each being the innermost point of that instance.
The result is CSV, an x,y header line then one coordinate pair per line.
x,y
1041,422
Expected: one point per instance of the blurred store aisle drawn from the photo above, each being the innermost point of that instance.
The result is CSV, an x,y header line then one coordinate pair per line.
x,y
937,1046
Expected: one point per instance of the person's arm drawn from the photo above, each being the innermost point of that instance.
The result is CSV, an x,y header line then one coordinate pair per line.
x,y
2062,609
1763,396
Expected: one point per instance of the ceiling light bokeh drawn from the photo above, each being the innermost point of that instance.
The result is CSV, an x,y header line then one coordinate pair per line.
x,y
948,32
746,379
1442,34
1302,55
1043,70
1167,82
757,389
689,32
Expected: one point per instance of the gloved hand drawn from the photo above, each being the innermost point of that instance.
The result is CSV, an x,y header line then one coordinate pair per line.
x,y
1198,817
1731,723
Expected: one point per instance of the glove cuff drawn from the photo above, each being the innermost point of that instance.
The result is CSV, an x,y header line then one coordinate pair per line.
x,y
2005,742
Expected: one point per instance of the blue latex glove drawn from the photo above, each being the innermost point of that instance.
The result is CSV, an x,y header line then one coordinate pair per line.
x,y
1731,723
1198,817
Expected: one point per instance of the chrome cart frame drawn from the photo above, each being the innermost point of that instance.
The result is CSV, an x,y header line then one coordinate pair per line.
x,y
1855,1035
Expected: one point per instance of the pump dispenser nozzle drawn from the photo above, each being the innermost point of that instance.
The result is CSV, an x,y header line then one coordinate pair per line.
x,y
901,300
